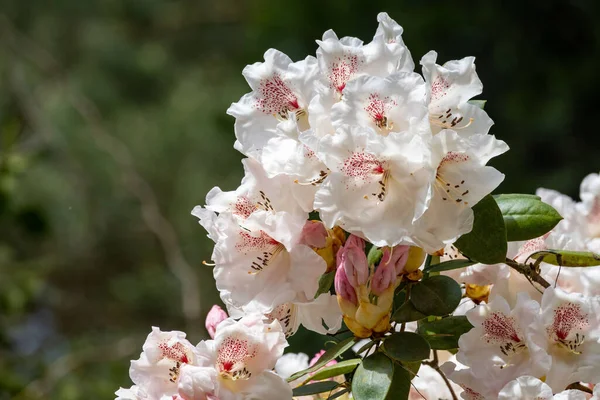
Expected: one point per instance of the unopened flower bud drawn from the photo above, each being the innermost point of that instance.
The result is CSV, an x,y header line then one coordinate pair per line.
x,y
214,317
478,293
396,256
334,240
384,276
314,234
343,288
353,260
416,256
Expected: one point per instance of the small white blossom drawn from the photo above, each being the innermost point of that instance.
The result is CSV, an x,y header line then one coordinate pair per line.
x,y
451,86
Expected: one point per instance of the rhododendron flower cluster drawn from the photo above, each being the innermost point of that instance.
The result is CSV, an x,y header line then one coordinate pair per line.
x,y
365,212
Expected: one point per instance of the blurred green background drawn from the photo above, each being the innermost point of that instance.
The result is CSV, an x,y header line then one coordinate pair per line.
x,y
113,126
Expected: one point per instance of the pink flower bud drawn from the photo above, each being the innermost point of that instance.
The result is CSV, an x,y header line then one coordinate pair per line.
x,y
353,260
343,288
214,318
314,234
396,256
391,265
384,276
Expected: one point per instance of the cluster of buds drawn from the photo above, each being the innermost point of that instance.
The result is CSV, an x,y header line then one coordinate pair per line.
x,y
365,290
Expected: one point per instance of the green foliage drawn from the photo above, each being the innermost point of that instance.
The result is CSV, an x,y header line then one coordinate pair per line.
x,y
567,258
315,388
332,353
486,243
325,283
374,255
407,313
406,346
340,368
400,387
373,378
437,295
526,216
449,265
443,334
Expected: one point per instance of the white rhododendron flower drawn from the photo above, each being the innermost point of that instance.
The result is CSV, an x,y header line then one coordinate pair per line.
x,y
451,86
568,330
158,369
499,344
461,180
280,89
474,387
290,363
257,252
589,208
375,185
531,388
391,104
238,363
342,60
287,156
321,315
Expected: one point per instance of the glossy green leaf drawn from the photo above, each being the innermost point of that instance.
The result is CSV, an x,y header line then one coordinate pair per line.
x,y
373,378
486,243
400,387
411,366
338,394
566,258
407,313
340,368
406,346
315,388
443,334
374,255
526,216
330,354
450,265
478,103
325,282
438,295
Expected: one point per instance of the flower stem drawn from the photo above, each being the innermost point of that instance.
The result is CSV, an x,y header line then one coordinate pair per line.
x,y
529,271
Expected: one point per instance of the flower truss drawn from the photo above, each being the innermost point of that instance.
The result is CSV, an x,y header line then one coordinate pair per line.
x,y
366,214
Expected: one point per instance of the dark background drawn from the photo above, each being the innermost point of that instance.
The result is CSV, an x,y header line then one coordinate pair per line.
x,y
113,126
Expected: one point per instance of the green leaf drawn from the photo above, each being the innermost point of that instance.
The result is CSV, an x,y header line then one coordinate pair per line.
x,y
338,394
325,282
438,295
486,243
374,255
526,216
400,388
340,368
407,313
406,346
315,388
443,334
373,378
331,353
478,103
566,258
412,367
449,265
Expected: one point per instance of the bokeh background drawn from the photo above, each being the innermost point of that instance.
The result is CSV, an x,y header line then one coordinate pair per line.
x,y
113,126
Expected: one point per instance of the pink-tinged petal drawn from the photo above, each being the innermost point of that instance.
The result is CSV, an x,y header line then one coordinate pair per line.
x,y
214,317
